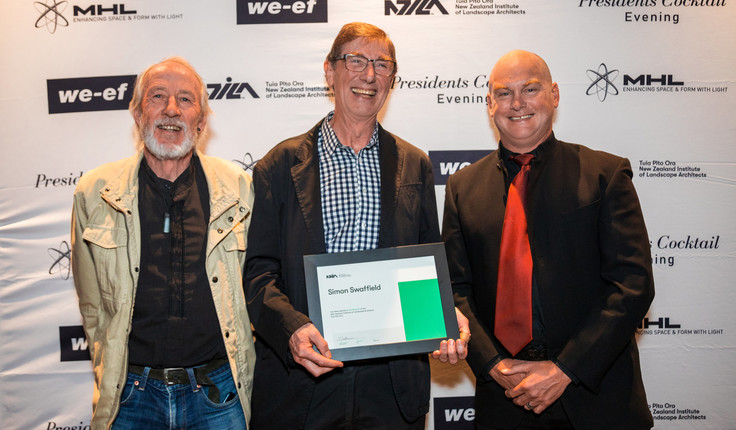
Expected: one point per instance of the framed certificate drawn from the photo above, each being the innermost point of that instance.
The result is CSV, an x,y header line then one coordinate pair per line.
x,y
381,302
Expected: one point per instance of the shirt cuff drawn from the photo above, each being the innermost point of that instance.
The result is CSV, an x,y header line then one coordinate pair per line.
x,y
486,373
567,372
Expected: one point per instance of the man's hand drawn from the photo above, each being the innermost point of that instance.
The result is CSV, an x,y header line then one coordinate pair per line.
x,y
453,350
543,383
499,373
300,345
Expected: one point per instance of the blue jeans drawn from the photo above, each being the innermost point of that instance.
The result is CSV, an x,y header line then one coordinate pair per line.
x,y
148,403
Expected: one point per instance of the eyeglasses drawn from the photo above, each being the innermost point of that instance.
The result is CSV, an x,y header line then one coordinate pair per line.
x,y
358,63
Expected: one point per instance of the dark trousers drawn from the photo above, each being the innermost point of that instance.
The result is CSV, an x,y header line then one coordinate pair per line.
x,y
553,418
357,397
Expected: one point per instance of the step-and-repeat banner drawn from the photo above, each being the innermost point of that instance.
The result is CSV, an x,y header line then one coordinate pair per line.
x,y
651,80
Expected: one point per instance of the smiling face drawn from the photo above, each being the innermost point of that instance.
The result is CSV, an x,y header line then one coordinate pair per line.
x,y
170,113
523,100
359,95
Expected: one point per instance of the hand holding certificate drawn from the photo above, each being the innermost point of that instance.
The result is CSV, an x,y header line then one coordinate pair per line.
x,y
302,345
384,302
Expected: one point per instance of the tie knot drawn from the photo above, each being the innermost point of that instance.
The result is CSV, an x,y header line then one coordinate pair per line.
x,y
523,159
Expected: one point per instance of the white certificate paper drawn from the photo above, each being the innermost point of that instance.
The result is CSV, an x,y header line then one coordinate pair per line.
x,y
371,301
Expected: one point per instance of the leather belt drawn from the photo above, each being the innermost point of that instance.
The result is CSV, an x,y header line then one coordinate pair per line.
x,y
178,375
532,353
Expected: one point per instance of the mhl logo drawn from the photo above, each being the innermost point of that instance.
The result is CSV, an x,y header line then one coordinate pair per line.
x,y
445,163
90,94
73,343
661,323
231,90
99,10
454,413
416,7
283,11
664,80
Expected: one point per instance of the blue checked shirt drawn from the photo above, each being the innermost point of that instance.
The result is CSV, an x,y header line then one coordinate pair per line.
x,y
350,187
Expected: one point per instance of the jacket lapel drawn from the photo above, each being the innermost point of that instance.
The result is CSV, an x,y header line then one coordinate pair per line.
x,y
305,174
392,162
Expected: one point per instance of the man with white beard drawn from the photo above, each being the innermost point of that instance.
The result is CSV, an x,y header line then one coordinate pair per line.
x,y
158,248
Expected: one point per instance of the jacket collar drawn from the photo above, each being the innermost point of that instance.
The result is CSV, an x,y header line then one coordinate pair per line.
x,y
305,174
122,191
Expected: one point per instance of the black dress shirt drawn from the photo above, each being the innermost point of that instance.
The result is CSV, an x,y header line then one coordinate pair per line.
x,y
174,319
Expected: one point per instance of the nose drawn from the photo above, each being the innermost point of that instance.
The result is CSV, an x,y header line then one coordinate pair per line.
x,y
517,103
172,107
369,73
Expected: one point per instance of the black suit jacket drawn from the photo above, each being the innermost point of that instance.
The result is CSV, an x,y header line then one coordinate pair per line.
x,y
286,225
592,265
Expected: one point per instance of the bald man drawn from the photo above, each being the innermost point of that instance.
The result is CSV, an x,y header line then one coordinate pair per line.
x,y
572,361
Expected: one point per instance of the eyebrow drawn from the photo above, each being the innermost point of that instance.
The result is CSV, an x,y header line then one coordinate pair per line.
x,y
382,57
163,88
527,83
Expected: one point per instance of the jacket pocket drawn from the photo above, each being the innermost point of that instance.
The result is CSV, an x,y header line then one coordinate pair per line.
x,y
108,246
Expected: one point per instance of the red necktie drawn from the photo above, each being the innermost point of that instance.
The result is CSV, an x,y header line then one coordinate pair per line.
x,y
513,325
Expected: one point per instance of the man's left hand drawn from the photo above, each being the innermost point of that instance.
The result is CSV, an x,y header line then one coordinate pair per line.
x,y
544,384
453,350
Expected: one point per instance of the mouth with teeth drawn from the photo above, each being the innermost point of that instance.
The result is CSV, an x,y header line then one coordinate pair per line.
x,y
519,118
168,127
364,92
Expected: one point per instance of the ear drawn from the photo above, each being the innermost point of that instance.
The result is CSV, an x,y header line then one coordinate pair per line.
x,y
329,73
137,117
490,104
555,94
202,123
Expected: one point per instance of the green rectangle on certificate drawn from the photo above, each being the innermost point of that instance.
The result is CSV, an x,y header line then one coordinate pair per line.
x,y
422,309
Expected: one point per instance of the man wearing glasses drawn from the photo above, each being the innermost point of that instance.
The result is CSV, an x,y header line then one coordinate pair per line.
x,y
346,185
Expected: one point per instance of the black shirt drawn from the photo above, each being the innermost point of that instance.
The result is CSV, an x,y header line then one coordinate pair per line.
x,y
174,319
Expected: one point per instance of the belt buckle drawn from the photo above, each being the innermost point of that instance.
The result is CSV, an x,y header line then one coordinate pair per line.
x,y
170,370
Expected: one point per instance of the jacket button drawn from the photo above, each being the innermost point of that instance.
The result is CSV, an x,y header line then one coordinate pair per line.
x,y
227,334
214,279
242,209
219,230
130,212
230,219
136,270
238,384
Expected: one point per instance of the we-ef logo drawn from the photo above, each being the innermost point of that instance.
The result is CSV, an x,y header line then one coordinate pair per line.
x,y
73,343
284,11
230,90
445,163
416,7
454,413
90,94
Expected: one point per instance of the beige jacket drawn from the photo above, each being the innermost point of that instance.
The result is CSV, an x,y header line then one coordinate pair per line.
x,y
105,262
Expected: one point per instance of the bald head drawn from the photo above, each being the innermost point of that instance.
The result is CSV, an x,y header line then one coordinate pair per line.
x,y
517,60
523,100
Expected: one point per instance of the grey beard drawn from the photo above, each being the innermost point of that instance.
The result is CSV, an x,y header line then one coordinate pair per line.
x,y
168,152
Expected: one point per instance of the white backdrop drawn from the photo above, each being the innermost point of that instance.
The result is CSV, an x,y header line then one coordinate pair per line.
x,y
652,80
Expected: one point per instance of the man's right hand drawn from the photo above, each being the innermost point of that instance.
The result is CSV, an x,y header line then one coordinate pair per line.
x,y
300,345
506,381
